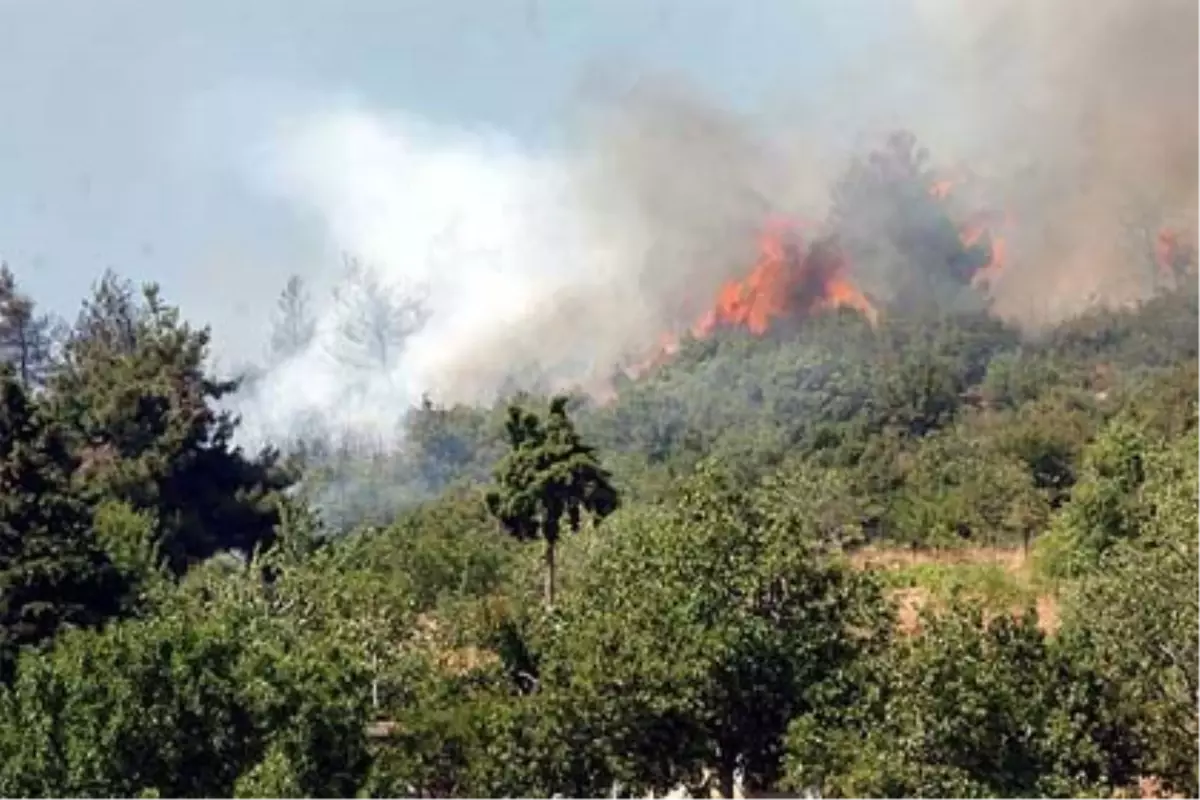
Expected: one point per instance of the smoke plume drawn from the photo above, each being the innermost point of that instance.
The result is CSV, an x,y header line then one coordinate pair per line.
x,y
1077,119
1083,115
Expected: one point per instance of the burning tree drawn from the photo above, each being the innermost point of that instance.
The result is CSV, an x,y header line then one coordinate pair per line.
x,y
893,237
891,215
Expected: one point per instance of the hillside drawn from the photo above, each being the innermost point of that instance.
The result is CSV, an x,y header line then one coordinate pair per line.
x,y
916,552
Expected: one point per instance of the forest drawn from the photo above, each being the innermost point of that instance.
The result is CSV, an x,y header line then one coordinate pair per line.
x,y
918,553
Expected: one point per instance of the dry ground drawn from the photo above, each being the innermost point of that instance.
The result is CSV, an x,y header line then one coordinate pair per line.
x,y
1000,578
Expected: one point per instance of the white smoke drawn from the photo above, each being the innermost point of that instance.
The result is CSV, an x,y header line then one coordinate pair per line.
x,y
489,236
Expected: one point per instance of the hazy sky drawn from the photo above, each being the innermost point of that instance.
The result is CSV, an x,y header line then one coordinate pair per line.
x,y
130,128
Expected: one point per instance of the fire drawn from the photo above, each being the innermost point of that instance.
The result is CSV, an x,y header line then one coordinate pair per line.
x,y
787,281
974,230
794,279
1173,255
987,274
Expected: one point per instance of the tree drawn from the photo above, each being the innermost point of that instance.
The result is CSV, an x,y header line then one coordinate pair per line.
x,y
958,489
53,573
548,473
970,707
446,445
294,326
697,629
898,231
139,409
1135,619
374,319
1104,506
26,337
212,696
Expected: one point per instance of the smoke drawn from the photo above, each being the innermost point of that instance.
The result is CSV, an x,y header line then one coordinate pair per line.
x,y
551,268
1083,115
548,270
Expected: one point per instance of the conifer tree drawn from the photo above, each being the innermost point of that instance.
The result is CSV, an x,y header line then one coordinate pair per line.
x,y
26,337
53,573
135,396
549,473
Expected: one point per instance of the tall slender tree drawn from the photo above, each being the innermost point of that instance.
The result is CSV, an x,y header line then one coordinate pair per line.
x,y
375,320
294,326
548,473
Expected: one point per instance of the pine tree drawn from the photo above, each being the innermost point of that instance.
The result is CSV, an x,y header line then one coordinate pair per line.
x,y
549,473
53,573
25,336
294,324
135,397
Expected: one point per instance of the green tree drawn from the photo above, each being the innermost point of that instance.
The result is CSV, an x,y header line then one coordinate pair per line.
x,y
1136,617
970,707
26,337
958,489
140,411
53,573
209,697
695,631
548,473
1104,506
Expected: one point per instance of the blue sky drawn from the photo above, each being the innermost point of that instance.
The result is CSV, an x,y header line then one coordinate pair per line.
x,y
126,123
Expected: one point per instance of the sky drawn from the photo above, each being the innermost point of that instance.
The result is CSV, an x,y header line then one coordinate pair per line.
x,y
132,130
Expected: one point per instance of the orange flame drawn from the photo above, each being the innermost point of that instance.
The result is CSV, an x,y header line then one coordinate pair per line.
x,y
974,230
786,282
987,274
1174,255
791,281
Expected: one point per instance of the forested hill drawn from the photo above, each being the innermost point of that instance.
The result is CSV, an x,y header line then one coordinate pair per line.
x,y
925,555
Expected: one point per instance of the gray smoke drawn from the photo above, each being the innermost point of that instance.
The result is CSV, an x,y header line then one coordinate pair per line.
x,y
550,269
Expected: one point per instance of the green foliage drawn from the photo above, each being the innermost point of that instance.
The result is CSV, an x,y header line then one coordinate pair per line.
x,y
441,551
53,572
204,697
958,490
1105,505
1136,617
700,628
970,708
133,395
26,337
548,474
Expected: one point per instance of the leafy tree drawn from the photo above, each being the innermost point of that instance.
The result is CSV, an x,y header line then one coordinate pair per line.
x,y
1136,618
696,631
549,473
140,412
1049,436
448,445
971,707
1104,506
53,573
958,489
374,319
210,697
